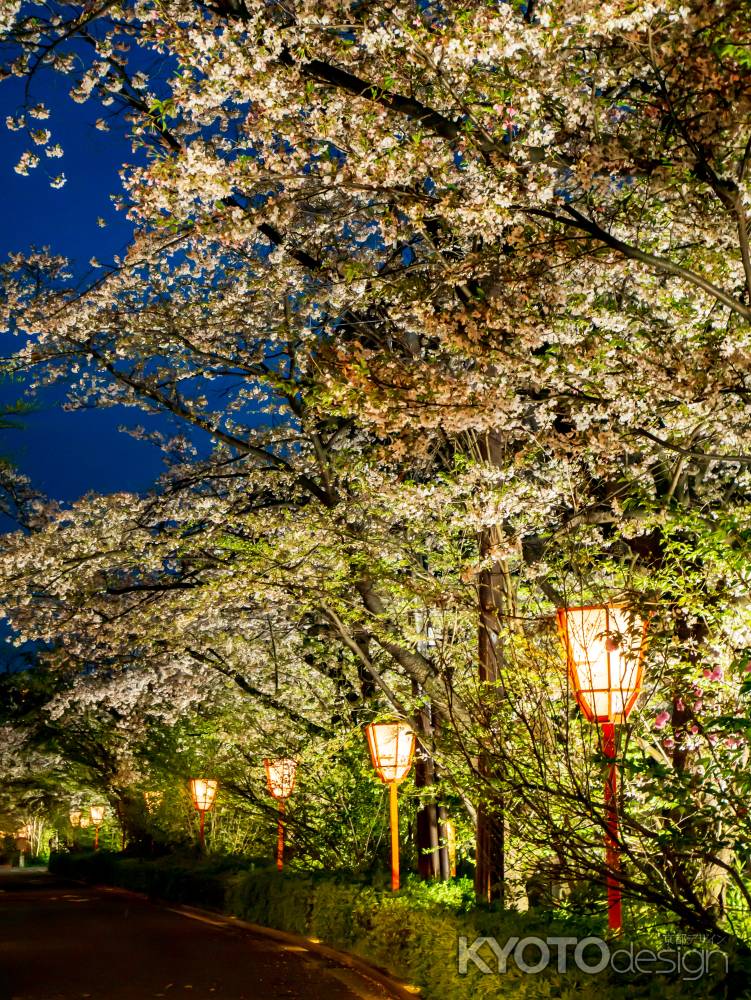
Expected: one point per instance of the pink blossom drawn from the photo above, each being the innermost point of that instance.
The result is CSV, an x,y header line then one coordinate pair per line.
x,y
661,720
679,706
668,743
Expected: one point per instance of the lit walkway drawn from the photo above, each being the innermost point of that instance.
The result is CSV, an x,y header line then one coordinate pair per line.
x,y
61,941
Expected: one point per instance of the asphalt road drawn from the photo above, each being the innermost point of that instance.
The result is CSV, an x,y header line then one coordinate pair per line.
x,y
60,941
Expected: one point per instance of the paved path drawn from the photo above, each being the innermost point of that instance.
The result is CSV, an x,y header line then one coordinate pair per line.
x,y
60,941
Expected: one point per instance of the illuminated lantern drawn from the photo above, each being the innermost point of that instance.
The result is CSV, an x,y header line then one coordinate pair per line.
x,y
392,745
22,846
203,793
84,821
604,650
604,646
280,779
97,816
75,817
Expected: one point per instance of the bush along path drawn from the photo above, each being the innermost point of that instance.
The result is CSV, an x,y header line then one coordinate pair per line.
x,y
427,934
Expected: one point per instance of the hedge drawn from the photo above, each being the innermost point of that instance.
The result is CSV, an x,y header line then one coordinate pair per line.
x,y
413,934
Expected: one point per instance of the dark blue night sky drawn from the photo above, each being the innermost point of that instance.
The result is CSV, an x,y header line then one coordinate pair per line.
x,y
70,454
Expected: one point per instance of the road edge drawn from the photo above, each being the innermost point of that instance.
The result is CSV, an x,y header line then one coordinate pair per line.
x,y
402,990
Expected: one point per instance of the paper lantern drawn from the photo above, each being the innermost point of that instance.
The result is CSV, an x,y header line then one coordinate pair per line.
x,y
604,647
203,793
280,777
392,745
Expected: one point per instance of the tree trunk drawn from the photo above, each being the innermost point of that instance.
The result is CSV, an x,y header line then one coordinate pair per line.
x,y
494,598
432,857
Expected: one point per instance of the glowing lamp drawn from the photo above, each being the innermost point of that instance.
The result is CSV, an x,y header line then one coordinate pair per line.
x,y
97,815
203,793
392,745
280,777
604,650
84,821
604,646
75,817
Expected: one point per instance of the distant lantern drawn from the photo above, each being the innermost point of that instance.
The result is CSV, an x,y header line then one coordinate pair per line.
x,y
392,745
75,817
84,821
280,779
604,646
203,793
97,817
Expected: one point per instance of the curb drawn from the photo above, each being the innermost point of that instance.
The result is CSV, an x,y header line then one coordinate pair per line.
x,y
369,971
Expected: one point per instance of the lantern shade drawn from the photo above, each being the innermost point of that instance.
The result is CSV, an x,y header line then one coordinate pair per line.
x,y
280,777
97,814
203,793
392,745
75,817
604,647
84,821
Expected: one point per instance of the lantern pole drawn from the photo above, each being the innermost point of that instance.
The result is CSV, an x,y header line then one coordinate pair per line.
x,y
280,837
612,854
201,836
394,809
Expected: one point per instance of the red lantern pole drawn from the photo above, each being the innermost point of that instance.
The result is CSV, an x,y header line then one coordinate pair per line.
x,y
394,809
201,836
612,854
96,838
280,837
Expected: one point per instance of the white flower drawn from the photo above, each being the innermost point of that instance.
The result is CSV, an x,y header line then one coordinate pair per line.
x,y
27,162
41,136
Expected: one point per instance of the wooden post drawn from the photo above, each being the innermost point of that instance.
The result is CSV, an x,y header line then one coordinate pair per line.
x,y
612,854
280,837
394,809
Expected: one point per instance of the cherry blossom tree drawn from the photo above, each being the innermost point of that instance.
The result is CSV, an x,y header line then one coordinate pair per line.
x,y
483,269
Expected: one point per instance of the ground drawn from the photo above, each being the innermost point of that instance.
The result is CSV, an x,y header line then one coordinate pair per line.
x,y
60,940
